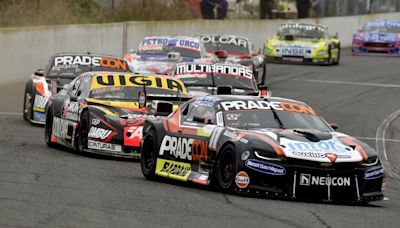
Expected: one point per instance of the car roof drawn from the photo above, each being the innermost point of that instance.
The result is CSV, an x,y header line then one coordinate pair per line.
x,y
86,54
382,21
227,35
304,24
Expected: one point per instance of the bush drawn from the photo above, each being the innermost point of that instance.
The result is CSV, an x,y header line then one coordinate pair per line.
x,y
55,12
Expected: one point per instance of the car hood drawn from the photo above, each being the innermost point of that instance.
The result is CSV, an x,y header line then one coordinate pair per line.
x,y
379,37
311,145
197,91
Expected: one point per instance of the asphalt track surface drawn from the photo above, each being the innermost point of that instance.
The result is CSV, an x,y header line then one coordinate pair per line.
x,y
44,187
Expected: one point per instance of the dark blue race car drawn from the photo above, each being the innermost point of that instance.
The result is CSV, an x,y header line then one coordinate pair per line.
x,y
379,37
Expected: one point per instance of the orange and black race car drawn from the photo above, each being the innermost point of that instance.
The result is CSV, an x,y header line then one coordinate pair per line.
x,y
61,69
103,112
264,146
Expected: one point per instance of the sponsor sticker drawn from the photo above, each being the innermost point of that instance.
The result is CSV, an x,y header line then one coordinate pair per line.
x,y
236,41
243,71
99,133
328,146
39,116
184,148
265,105
242,179
133,136
40,102
95,145
101,81
232,116
60,128
295,51
245,155
206,101
74,61
374,173
310,180
173,169
265,167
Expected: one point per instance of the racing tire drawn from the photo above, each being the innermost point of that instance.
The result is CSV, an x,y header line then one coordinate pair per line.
x,y
338,57
148,161
83,131
28,104
330,60
48,128
226,169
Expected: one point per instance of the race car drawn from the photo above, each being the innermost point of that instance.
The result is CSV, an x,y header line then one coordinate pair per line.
x,y
204,79
103,112
379,37
236,49
262,146
61,69
157,54
303,43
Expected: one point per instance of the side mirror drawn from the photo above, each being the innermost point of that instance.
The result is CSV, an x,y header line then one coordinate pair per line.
x,y
164,108
264,91
39,72
73,98
333,126
336,36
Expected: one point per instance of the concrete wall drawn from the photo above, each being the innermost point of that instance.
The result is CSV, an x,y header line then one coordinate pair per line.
x,y
22,50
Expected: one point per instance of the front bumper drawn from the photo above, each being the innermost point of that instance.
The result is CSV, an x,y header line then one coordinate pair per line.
x,y
297,60
375,48
341,184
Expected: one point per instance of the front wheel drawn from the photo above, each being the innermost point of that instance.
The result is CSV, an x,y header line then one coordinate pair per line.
x,y
148,160
226,169
49,128
338,57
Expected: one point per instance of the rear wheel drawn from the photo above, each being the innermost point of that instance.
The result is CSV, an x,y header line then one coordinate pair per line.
x,y
49,128
149,155
28,100
226,169
83,131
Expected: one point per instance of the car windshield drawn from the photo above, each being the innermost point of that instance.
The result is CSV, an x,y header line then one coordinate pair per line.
x,y
302,32
127,93
384,27
207,79
230,48
251,119
72,66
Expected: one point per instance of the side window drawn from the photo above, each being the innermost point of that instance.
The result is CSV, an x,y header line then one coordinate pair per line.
x,y
201,114
73,90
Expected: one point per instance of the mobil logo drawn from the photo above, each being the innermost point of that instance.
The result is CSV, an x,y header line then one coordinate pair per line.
x,y
242,179
321,146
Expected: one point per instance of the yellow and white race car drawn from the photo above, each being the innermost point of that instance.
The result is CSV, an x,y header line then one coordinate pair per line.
x,y
303,43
